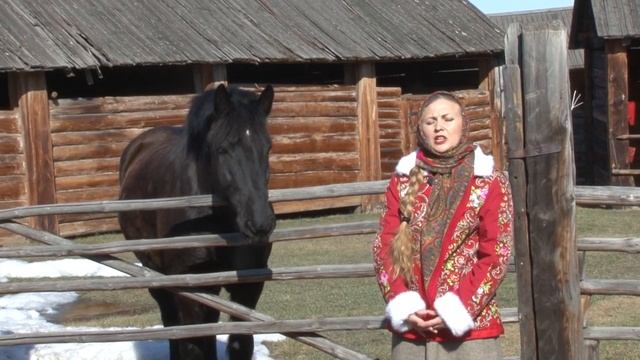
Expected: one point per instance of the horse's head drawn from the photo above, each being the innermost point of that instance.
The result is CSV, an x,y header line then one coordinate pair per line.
x,y
227,133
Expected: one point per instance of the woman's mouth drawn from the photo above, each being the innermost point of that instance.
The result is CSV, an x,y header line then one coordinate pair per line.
x,y
440,139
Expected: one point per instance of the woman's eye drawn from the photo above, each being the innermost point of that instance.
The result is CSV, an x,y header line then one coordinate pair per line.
x,y
449,119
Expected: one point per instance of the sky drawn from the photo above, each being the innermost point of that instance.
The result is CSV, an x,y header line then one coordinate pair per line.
x,y
28,312
500,6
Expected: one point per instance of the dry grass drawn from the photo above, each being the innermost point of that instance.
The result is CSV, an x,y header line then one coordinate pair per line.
x,y
347,297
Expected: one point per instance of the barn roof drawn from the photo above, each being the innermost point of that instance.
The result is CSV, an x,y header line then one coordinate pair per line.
x,y
611,19
49,34
563,15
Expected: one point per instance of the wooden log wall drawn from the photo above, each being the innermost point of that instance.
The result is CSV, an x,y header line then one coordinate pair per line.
x,y
313,128
13,190
478,110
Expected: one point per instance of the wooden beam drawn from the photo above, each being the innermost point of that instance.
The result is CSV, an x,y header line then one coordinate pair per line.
x,y
28,94
368,132
617,97
550,193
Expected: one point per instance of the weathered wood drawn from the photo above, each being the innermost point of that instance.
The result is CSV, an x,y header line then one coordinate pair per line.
x,y
311,125
183,242
303,193
9,122
112,105
591,351
625,172
311,178
498,130
287,207
87,166
315,340
367,120
290,109
550,193
618,95
199,330
628,245
107,120
90,227
12,188
306,143
88,151
10,144
607,195
610,287
28,93
86,181
194,280
512,114
628,137
89,137
612,333
480,135
337,161
11,164
88,195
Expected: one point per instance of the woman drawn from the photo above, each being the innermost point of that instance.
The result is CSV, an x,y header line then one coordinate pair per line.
x,y
444,242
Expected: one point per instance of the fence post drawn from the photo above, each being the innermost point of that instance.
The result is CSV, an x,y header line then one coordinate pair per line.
x,y
368,131
28,93
551,192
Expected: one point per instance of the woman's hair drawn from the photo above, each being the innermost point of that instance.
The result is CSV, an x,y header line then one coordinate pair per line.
x,y
403,247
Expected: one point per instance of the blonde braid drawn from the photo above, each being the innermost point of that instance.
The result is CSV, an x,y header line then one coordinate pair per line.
x,y
403,247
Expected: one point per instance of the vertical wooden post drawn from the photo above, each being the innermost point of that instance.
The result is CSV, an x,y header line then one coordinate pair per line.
x,y
590,172
488,74
368,132
28,93
617,98
551,193
208,76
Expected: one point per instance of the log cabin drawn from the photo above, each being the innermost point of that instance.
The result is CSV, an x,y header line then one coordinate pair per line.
x,y
80,79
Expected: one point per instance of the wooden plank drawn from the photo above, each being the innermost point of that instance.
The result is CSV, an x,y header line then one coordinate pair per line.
x,y
28,93
288,207
87,167
86,181
311,178
629,245
610,287
628,137
88,227
550,193
102,105
496,121
9,122
291,109
607,195
297,163
514,127
8,204
92,137
199,330
13,188
93,194
480,135
591,349
10,144
67,218
368,136
311,125
314,143
88,151
625,172
11,165
618,94
612,333
105,121
195,280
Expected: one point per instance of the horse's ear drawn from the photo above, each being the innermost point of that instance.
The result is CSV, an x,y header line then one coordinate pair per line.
x,y
222,101
266,99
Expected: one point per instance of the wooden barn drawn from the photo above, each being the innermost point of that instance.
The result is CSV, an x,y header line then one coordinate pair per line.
x,y
609,33
83,78
575,60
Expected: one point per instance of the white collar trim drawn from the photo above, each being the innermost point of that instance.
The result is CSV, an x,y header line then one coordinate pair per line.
x,y
482,164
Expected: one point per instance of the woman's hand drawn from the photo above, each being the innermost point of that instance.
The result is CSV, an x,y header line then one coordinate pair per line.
x,y
424,321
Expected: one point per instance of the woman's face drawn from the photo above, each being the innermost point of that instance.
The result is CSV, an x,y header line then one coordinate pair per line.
x,y
441,125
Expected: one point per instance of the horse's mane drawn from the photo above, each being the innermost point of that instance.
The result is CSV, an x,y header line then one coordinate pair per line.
x,y
202,114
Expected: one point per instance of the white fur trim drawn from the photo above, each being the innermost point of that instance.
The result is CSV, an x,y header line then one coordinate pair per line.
x,y
482,164
453,313
401,306
406,164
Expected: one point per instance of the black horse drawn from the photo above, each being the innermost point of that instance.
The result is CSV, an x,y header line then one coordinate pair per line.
x,y
223,150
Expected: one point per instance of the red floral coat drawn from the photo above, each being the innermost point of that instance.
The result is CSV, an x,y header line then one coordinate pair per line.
x,y
472,262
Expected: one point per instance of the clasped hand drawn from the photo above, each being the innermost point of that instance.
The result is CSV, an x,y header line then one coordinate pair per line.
x,y
425,320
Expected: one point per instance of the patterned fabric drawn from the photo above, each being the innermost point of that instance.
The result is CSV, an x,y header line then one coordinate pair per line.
x,y
473,257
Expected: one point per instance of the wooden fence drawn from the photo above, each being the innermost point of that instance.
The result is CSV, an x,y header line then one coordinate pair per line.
x,y
256,322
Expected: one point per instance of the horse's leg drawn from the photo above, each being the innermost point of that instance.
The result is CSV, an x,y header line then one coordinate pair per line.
x,y
176,310
240,347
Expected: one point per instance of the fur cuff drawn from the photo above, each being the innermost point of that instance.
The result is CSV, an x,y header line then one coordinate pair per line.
x,y
453,313
401,306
